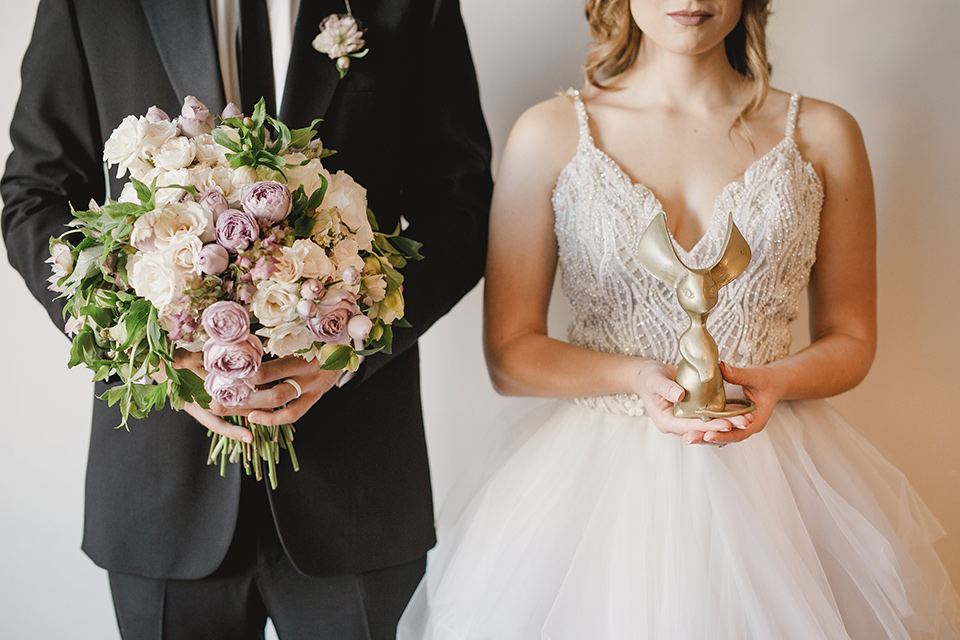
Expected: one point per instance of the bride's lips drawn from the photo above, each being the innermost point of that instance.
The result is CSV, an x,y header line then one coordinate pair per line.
x,y
690,18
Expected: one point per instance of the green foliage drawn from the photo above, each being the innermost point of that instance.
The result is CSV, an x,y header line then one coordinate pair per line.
x,y
256,148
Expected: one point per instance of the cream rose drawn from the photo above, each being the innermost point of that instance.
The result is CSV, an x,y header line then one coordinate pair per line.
x,y
350,200
183,252
275,303
288,338
288,266
183,219
307,175
316,264
346,254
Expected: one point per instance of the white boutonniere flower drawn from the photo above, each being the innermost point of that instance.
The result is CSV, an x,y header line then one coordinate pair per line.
x,y
341,38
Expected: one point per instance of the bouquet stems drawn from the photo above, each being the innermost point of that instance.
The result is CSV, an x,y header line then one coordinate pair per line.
x,y
265,448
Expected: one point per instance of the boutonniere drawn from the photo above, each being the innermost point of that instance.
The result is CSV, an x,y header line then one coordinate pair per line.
x,y
341,38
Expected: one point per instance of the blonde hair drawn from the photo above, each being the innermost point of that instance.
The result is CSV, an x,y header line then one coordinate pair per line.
x,y
617,43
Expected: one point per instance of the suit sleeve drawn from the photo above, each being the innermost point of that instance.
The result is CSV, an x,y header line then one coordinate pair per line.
x,y
448,203
56,156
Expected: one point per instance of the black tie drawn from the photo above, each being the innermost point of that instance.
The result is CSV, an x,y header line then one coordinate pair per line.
x,y
255,57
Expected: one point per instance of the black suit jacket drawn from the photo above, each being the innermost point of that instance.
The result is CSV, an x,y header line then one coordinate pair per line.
x,y
407,124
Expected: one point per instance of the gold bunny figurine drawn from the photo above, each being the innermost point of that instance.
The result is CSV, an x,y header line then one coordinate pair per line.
x,y
697,292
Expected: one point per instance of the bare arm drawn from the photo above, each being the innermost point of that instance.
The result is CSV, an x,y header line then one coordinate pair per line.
x,y
842,290
521,264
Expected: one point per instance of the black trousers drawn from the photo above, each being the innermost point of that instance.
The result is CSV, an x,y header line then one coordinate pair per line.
x,y
256,580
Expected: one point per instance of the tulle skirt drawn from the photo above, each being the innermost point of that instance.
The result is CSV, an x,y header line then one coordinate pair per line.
x,y
598,527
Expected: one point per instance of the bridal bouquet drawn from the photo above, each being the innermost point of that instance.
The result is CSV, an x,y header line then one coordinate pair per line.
x,y
234,241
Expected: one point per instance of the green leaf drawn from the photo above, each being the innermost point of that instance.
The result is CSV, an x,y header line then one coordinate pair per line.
x,y
316,198
102,316
338,359
222,138
372,219
406,246
135,321
144,193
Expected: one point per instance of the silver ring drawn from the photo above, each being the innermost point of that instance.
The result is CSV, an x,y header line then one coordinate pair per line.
x,y
293,383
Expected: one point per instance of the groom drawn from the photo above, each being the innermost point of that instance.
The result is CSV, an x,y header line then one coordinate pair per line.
x,y
338,548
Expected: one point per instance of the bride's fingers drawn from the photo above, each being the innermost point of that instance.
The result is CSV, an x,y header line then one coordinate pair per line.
x,y
217,425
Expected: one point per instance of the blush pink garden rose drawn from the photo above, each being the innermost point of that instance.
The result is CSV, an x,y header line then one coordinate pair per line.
x,y
268,201
226,322
237,360
334,312
236,230
230,392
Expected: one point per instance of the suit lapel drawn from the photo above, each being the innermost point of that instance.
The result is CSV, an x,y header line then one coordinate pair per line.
x,y
184,34
312,77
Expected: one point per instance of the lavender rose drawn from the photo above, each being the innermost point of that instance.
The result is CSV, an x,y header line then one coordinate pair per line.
x,y
267,200
229,392
213,259
214,202
231,111
156,115
226,322
238,360
195,119
236,230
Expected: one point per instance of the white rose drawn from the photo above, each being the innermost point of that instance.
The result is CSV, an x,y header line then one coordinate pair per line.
x,y
154,278
316,264
350,199
182,219
222,177
129,194
288,266
165,178
346,254
208,151
275,302
307,175
183,251
155,135
288,338
123,147
142,235
176,153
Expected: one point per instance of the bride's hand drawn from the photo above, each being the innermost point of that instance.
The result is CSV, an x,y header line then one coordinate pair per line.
x,y
760,384
194,362
659,390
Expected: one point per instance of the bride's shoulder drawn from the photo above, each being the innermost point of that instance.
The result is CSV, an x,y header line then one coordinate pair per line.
x,y
826,133
547,132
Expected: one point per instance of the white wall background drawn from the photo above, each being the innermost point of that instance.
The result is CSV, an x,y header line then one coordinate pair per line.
x,y
894,65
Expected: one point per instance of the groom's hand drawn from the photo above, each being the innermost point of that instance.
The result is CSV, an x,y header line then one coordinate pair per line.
x,y
277,400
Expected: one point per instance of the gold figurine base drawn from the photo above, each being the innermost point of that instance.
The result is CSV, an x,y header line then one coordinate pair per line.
x,y
745,406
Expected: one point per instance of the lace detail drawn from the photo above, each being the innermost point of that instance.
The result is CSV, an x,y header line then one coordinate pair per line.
x,y
617,307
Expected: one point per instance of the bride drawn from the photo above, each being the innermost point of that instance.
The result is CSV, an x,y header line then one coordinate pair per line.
x,y
613,519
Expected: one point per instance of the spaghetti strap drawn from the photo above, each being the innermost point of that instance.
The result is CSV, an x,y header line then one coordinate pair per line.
x,y
792,113
582,119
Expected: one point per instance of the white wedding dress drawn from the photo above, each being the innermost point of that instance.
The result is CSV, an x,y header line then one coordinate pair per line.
x,y
596,526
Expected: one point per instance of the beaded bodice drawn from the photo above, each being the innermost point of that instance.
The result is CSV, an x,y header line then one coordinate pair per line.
x,y
617,307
